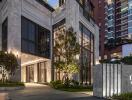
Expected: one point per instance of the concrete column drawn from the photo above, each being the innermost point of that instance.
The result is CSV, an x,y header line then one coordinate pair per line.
x,y
14,32
48,66
35,73
23,71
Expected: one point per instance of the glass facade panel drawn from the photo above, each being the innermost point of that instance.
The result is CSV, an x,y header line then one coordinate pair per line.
x,y
35,39
86,54
4,34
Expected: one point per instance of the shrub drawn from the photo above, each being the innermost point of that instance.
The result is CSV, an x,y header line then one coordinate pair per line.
x,y
125,96
74,83
11,84
56,84
127,60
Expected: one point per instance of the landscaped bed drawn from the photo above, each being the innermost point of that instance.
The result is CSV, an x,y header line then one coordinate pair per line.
x,y
11,84
72,86
125,96
77,89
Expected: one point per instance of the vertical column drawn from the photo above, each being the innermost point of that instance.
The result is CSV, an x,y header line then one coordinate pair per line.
x,y
119,78
108,80
112,79
14,32
115,79
104,80
48,67
35,73
23,70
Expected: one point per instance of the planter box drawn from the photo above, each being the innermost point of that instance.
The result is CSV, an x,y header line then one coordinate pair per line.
x,y
11,88
110,79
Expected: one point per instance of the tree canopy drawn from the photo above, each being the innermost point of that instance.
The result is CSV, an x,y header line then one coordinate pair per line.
x,y
9,61
65,50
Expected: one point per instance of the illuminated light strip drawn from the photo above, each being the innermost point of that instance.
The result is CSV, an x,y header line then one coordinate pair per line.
x,y
32,62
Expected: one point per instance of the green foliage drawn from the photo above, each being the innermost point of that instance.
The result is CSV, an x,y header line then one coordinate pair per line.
x,y
66,48
127,60
56,84
9,62
11,84
72,87
125,96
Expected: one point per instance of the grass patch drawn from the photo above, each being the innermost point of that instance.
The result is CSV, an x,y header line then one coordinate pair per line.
x,y
71,86
75,89
11,84
125,96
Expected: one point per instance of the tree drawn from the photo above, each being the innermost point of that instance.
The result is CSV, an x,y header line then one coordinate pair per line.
x,y
65,50
8,64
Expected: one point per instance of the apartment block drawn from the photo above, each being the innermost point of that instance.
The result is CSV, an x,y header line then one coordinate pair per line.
x,y
119,28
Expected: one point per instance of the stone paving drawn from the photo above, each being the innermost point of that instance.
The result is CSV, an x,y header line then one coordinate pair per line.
x,y
47,93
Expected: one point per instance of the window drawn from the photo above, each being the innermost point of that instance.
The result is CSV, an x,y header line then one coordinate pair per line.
x,y
4,34
130,30
87,53
35,39
87,8
61,2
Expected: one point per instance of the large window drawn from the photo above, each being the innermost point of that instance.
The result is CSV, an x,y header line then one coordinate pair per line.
x,y
35,39
4,34
86,40
87,8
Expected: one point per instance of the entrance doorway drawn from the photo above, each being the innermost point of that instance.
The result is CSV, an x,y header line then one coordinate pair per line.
x,y
42,72
30,73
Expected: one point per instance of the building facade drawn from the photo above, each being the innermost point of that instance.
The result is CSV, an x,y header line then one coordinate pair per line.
x,y
100,19
28,29
119,27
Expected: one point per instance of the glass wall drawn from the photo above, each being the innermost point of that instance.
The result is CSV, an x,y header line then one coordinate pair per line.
x,y
129,16
86,40
58,28
4,34
86,8
35,39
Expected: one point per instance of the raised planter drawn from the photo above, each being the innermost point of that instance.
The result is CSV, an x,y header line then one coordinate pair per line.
x,y
11,88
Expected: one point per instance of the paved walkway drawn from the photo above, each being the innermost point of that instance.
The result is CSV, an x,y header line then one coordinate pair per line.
x,y
46,93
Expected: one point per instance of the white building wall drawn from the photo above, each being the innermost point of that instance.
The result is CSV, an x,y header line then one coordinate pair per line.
x,y
14,31
126,50
70,11
32,10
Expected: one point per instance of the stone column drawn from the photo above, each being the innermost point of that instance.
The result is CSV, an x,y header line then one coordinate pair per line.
x,y
35,73
14,32
48,66
0,33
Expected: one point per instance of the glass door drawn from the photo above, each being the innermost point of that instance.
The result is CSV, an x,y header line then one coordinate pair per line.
x,y
42,72
30,73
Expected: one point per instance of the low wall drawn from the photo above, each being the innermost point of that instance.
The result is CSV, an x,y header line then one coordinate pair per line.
x,y
110,79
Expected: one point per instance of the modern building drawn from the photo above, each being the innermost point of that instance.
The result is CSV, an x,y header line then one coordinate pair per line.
x,y
100,19
119,27
28,29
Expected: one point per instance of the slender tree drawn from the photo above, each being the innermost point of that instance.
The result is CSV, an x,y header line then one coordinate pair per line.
x,y
8,64
66,48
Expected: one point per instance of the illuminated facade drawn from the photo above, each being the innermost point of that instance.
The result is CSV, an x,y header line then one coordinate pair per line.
x,y
119,26
78,14
28,29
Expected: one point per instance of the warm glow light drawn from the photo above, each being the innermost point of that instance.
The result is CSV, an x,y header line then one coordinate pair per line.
x,y
97,62
32,62
77,57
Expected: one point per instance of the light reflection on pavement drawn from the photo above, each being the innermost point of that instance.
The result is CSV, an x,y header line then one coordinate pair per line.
x,y
41,92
